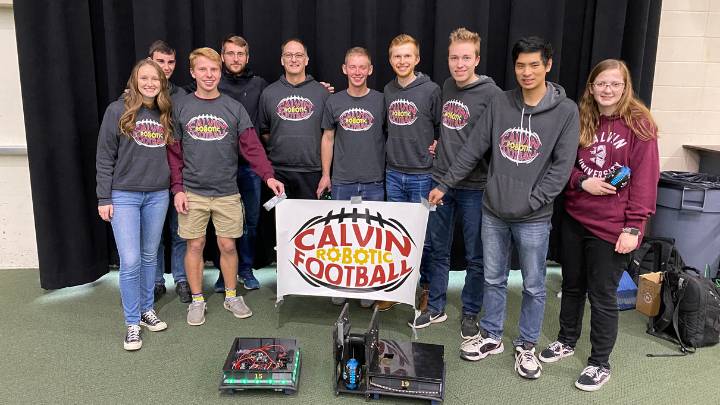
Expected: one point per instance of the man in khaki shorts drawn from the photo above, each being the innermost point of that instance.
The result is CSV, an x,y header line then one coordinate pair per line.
x,y
212,130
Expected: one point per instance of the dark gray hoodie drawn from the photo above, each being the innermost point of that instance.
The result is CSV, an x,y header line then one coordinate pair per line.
x,y
132,163
413,122
533,151
292,115
461,109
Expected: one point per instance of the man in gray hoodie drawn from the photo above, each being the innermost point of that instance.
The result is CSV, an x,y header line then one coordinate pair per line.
x,y
165,56
532,134
413,107
290,118
466,96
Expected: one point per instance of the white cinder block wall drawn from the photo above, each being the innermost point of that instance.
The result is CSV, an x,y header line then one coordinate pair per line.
x,y
686,104
686,92
17,229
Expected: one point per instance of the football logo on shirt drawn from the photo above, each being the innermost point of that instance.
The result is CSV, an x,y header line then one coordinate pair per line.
x,y
356,119
402,112
149,133
519,145
455,114
207,127
295,108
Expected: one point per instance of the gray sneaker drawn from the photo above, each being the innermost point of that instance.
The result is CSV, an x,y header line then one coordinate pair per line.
x,y
238,308
196,313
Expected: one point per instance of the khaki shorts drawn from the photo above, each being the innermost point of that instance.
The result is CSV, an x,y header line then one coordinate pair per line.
x,y
227,214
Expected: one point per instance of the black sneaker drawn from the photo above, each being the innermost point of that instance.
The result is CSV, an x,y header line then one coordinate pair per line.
x,y
132,338
159,291
526,364
150,320
183,291
426,318
477,347
555,351
593,378
469,326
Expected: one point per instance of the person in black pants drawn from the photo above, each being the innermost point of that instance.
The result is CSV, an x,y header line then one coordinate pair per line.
x,y
602,224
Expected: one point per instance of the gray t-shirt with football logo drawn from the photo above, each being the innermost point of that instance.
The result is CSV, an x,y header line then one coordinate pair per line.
x,y
292,115
359,152
209,131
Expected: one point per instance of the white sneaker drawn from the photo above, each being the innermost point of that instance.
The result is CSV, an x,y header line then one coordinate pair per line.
x,y
526,364
477,347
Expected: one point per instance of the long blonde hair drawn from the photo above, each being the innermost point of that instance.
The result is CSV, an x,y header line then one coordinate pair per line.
x,y
636,116
134,100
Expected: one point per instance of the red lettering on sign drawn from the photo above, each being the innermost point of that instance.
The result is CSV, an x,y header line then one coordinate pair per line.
x,y
300,244
327,238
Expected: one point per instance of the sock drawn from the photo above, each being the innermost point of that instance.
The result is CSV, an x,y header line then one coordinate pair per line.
x,y
230,294
198,297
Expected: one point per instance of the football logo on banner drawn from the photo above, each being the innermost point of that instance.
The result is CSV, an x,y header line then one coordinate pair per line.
x,y
370,250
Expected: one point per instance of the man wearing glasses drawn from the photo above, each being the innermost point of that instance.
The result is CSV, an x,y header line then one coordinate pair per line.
x,y
290,116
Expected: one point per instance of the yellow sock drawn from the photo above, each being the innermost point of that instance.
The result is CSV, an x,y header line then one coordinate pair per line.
x,y
230,294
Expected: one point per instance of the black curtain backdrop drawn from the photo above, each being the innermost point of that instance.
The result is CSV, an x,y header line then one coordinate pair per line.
x,y
75,57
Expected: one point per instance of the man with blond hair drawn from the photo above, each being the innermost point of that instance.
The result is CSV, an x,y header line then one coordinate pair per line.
x,y
465,96
212,130
413,107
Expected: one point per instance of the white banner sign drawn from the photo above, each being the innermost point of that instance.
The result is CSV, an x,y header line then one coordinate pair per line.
x,y
370,250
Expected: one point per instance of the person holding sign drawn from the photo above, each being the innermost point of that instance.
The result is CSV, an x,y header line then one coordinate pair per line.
x,y
353,141
212,130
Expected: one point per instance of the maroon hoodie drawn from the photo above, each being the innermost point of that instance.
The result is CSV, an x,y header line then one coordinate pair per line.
x,y
615,145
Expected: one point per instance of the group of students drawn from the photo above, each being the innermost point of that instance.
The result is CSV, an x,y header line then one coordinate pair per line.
x,y
498,159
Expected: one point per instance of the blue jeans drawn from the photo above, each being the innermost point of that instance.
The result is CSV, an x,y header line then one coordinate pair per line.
x,y
531,240
249,185
467,203
407,187
178,246
137,222
374,191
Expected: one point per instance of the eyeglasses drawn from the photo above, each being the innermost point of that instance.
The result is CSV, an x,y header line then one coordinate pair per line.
x,y
231,54
613,85
465,59
291,56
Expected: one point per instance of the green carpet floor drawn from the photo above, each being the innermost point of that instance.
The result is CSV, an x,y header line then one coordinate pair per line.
x,y
66,347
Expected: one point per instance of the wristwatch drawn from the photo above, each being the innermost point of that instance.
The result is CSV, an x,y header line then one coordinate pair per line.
x,y
631,231
580,181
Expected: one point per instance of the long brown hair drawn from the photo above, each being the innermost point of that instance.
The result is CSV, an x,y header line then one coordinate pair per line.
x,y
134,100
636,116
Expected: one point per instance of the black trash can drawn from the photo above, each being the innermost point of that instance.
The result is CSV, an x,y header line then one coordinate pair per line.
x,y
688,210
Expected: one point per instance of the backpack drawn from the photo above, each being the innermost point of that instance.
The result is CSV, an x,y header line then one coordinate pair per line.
x,y
690,311
655,254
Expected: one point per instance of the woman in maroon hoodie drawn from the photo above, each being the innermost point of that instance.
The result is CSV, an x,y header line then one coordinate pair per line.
x,y
602,224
